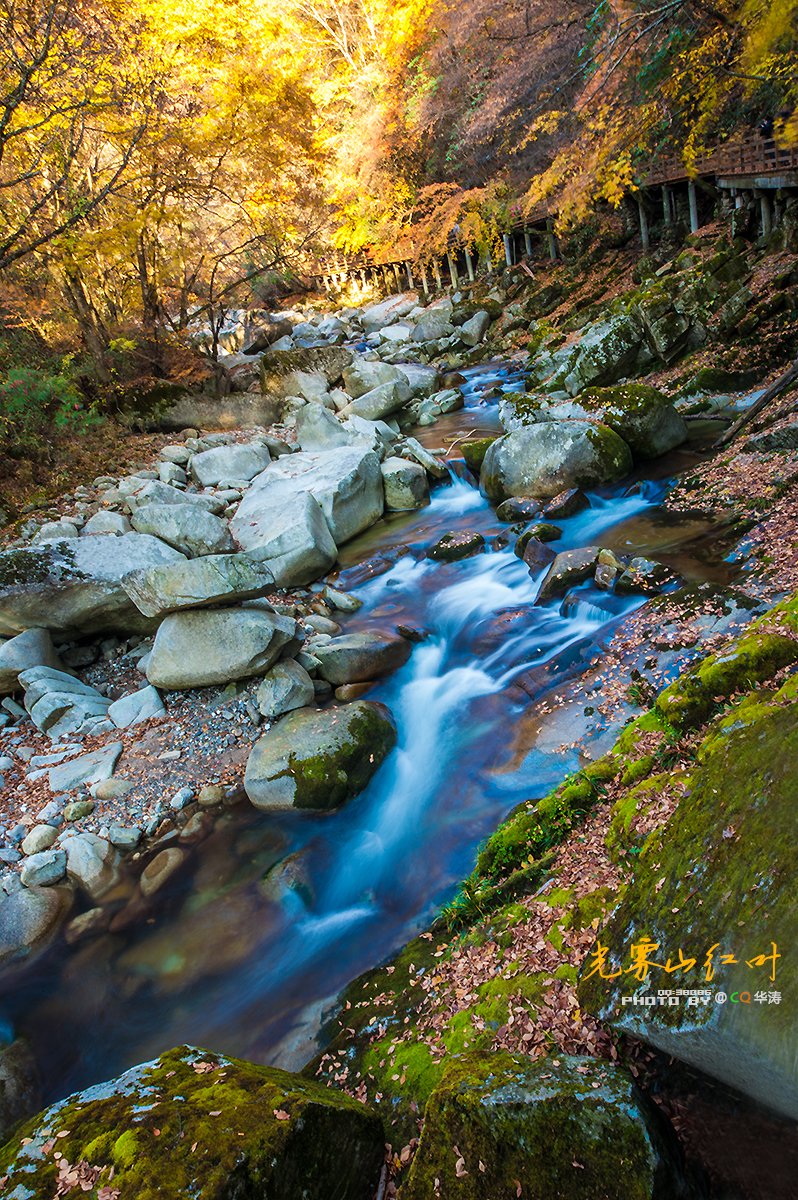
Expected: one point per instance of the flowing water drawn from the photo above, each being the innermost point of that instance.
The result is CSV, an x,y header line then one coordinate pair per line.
x,y
224,964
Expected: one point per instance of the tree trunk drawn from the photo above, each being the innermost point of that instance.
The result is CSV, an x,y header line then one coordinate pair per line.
x,y
91,326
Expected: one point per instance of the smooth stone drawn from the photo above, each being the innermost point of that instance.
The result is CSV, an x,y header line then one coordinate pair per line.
x,y
322,624
113,788
569,568
454,546
318,429
362,376
537,555
56,531
87,769
74,588
341,600
160,870
136,707
124,837
164,493
319,758
30,920
352,691
186,528
79,809
33,648
382,401
406,485
210,795
543,459
567,504
518,508
92,863
285,687
43,868
361,657
203,646
41,837
228,462
290,537
107,522
212,579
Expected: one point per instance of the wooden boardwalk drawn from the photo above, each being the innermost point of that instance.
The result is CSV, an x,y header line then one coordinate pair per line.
x,y
751,163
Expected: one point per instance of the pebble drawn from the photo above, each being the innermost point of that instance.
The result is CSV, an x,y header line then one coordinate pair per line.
x,y
6,763
78,809
181,798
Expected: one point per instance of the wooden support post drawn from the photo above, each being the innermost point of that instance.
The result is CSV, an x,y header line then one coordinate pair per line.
x,y
436,267
767,214
666,205
326,283
363,278
469,264
693,199
452,269
552,242
508,250
409,270
395,270
385,279
643,225
527,243
424,283
488,262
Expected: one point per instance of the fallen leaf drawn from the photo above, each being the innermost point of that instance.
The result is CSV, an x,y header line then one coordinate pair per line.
x,y
217,1113
517,1187
460,1168
194,1147
281,1114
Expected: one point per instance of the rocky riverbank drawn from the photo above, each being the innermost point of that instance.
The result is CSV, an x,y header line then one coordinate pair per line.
x,y
179,643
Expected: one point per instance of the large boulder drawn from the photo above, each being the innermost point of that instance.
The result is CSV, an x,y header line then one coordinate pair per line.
x,y
500,1125
154,491
213,579
406,485
251,410
284,687
185,527
228,462
238,1130
92,864
33,648
362,375
59,703
94,767
434,323
30,920
74,588
544,459
360,657
695,958
380,402
319,429
346,483
385,312
288,534
318,759
279,368
207,646
605,354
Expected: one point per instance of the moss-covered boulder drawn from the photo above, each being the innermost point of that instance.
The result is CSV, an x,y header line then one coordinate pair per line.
x,y
544,459
198,1124
318,759
452,547
500,1126
693,960
474,451
643,416
770,643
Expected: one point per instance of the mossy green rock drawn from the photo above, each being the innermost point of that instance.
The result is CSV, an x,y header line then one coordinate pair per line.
x,y
198,1124
643,416
717,889
768,645
319,758
545,459
474,451
581,1129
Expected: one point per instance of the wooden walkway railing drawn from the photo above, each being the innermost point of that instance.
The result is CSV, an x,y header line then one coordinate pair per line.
x,y
747,158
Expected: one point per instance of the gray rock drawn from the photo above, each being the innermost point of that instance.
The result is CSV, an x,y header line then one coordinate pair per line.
x,y
164,493
288,534
136,707
346,483
60,704
285,686
212,579
202,647
113,788
73,587
161,869
360,657
228,462
385,312
341,600
43,869
92,863
181,798
30,920
421,380
79,809
605,354
171,473
33,648
433,324
405,483
87,769
428,461
380,402
569,568
178,453
185,527
318,759
107,522
56,531
544,459
319,429
41,837
472,332
361,376
124,837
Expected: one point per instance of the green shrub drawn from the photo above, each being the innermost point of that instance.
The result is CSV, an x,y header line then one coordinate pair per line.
x,y
33,406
